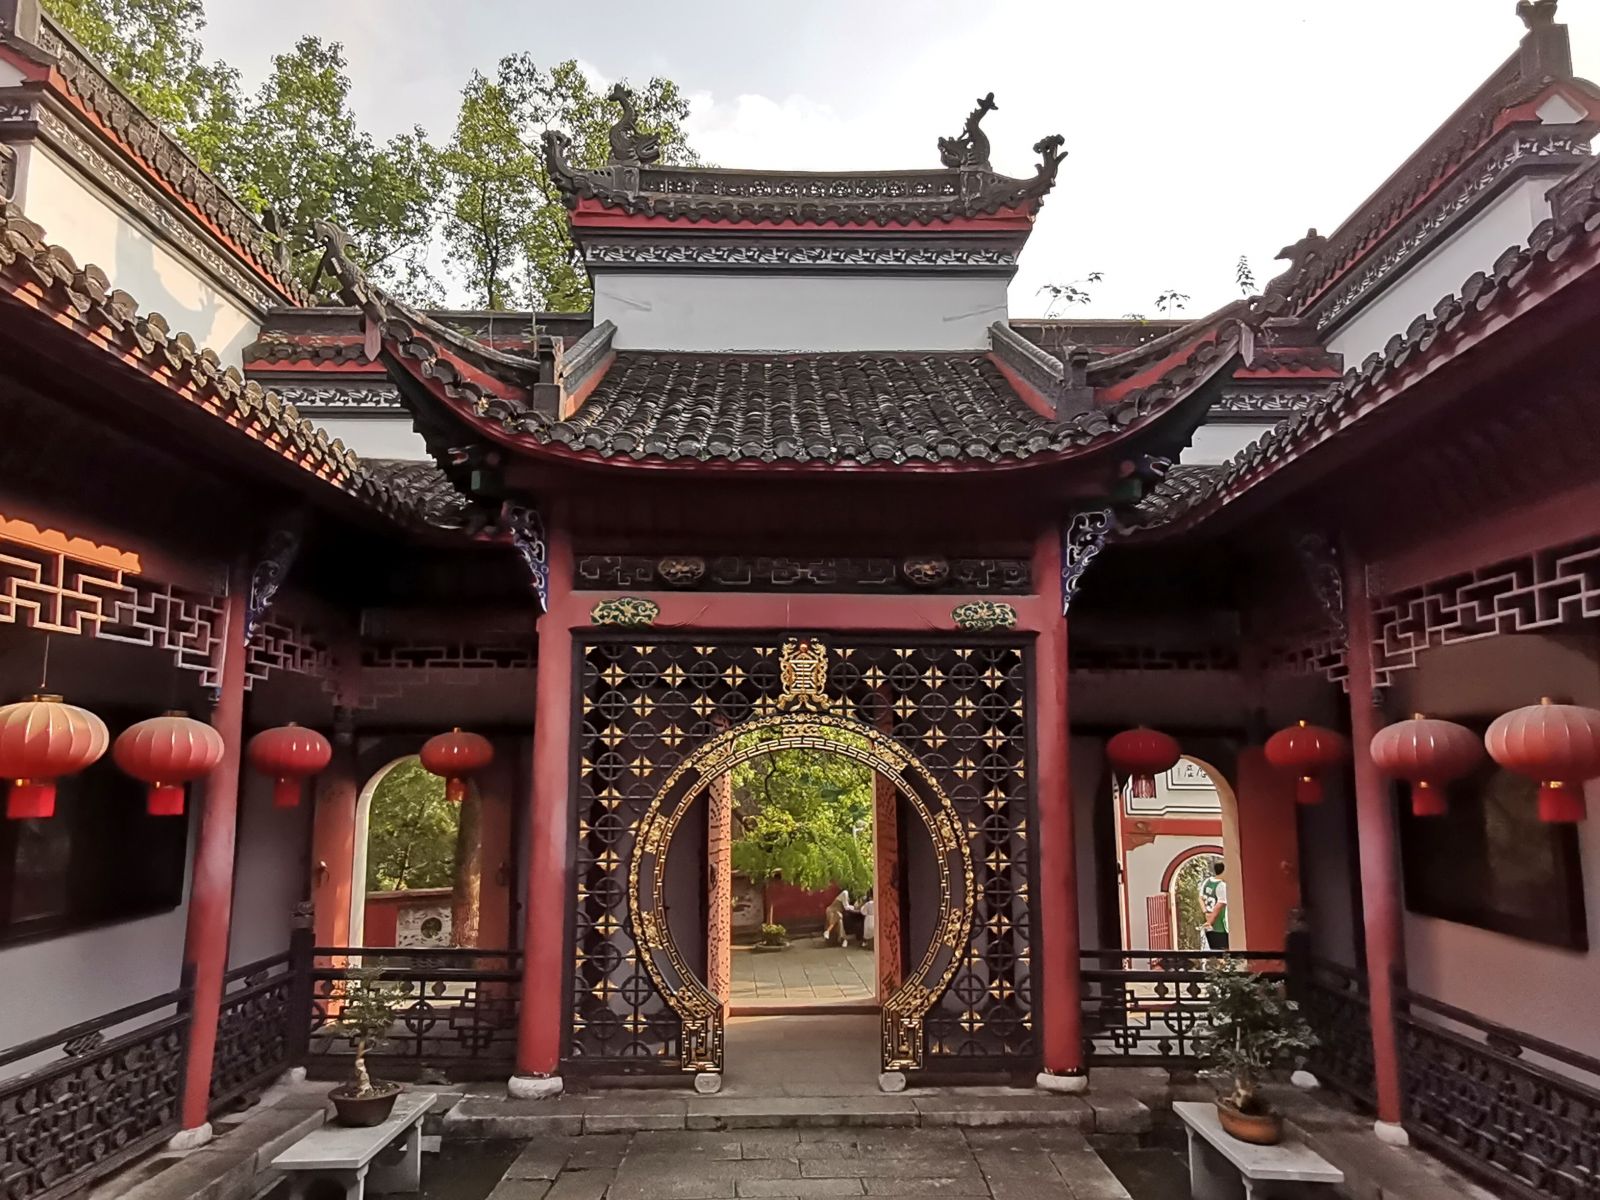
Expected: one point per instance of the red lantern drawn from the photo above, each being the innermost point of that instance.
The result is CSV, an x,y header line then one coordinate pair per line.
x,y
1309,751
290,754
42,739
454,756
1427,754
1143,754
1557,744
167,752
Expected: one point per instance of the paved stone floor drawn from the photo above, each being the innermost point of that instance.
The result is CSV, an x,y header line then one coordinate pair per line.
x,y
797,1164
809,972
795,1055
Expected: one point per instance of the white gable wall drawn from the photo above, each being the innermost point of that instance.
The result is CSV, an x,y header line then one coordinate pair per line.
x,y
1505,222
85,224
1216,444
373,437
660,310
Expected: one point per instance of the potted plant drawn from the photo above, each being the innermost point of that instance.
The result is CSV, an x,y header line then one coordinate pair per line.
x,y
773,937
1252,1028
365,1017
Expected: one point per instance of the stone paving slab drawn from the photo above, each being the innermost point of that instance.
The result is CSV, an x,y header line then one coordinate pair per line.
x,y
1053,1163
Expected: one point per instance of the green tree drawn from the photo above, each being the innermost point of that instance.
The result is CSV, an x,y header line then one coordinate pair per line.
x,y
295,148
506,228
804,816
412,831
153,49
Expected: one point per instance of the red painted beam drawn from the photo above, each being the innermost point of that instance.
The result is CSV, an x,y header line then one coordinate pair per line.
x,y
919,613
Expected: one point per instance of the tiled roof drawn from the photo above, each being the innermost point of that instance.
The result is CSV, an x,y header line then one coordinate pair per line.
x,y
45,277
1560,250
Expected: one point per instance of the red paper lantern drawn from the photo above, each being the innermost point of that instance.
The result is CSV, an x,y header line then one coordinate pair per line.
x,y
1427,754
454,756
1556,744
1309,751
168,752
41,739
1143,754
290,754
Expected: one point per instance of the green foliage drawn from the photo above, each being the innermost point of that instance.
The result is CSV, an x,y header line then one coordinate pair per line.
x,y
505,226
295,147
1252,1028
152,48
1188,913
774,935
366,1014
804,816
413,831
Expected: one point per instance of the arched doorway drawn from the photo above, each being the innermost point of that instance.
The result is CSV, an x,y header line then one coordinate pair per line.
x,y
417,870
1193,812
701,1012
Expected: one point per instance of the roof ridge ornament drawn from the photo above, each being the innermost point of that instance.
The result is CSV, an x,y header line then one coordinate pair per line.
x,y
629,146
1537,14
970,151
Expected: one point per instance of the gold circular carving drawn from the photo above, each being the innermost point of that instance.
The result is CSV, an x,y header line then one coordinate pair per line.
x,y
700,1011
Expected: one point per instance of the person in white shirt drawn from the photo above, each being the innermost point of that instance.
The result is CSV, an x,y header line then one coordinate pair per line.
x,y
869,928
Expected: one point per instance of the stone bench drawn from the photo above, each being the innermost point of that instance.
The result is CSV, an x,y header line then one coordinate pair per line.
x,y
1223,1168
344,1155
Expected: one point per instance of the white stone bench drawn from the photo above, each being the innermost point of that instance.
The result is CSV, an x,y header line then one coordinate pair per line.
x,y
1223,1168
343,1154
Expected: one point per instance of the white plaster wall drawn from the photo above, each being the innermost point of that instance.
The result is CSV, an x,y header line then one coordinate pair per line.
x,y
78,219
269,871
1540,989
1146,864
1505,222
56,982
1215,444
375,437
802,313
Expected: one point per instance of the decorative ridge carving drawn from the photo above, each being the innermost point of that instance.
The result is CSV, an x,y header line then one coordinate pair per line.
x,y
160,154
892,198
969,151
630,147
173,360
1537,14
577,364
1556,246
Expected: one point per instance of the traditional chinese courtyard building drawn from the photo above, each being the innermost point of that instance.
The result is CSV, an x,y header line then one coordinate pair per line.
x,y
798,480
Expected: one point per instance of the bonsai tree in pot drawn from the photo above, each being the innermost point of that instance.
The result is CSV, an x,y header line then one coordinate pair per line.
x,y
773,937
1252,1029
366,1016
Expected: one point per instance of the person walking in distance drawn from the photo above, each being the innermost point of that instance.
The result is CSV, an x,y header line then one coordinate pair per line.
x,y
1214,903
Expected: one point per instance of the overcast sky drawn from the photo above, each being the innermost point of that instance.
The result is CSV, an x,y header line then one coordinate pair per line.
x,y
1196,131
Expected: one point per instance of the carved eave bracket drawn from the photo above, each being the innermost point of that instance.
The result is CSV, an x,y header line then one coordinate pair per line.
x,y
526,529
1082,540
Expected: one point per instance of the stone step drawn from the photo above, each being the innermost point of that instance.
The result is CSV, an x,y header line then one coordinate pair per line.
x,y
485,1116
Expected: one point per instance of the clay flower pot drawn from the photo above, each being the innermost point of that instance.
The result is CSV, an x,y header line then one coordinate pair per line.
x,y
1259,1129
363,1111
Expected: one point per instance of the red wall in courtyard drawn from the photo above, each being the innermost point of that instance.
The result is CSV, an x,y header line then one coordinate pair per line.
x,y
798,909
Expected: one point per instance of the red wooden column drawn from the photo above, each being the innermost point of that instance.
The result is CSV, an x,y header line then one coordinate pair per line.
x,y
205,950
1375,832
544,911
1055,891
888,937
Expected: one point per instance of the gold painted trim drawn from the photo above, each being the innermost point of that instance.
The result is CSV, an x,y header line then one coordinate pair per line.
x,y
904,1013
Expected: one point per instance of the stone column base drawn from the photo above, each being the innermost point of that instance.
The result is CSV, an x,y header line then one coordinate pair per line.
x,y
1067,1085
708,1083
892,1081
534,1087
191,1139
1391,1134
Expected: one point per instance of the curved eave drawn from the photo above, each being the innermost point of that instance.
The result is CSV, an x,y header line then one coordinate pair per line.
x,y
467,405
1498,318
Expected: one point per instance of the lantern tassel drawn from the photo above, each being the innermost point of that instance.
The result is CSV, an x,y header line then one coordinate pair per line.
x,y
1308,790
455,789
286,792
164,800
1428,801
1561,803
30,801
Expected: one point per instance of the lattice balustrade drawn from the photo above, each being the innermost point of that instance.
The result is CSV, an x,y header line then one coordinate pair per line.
x,y
46,589
256,1029
1320,652
285,646
390,669
1537,591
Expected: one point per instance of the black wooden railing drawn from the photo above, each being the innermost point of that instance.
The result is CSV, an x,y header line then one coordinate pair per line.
x,y
1519,1113
261,1024
101,1097
457,1016
1333,999
1143,1008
